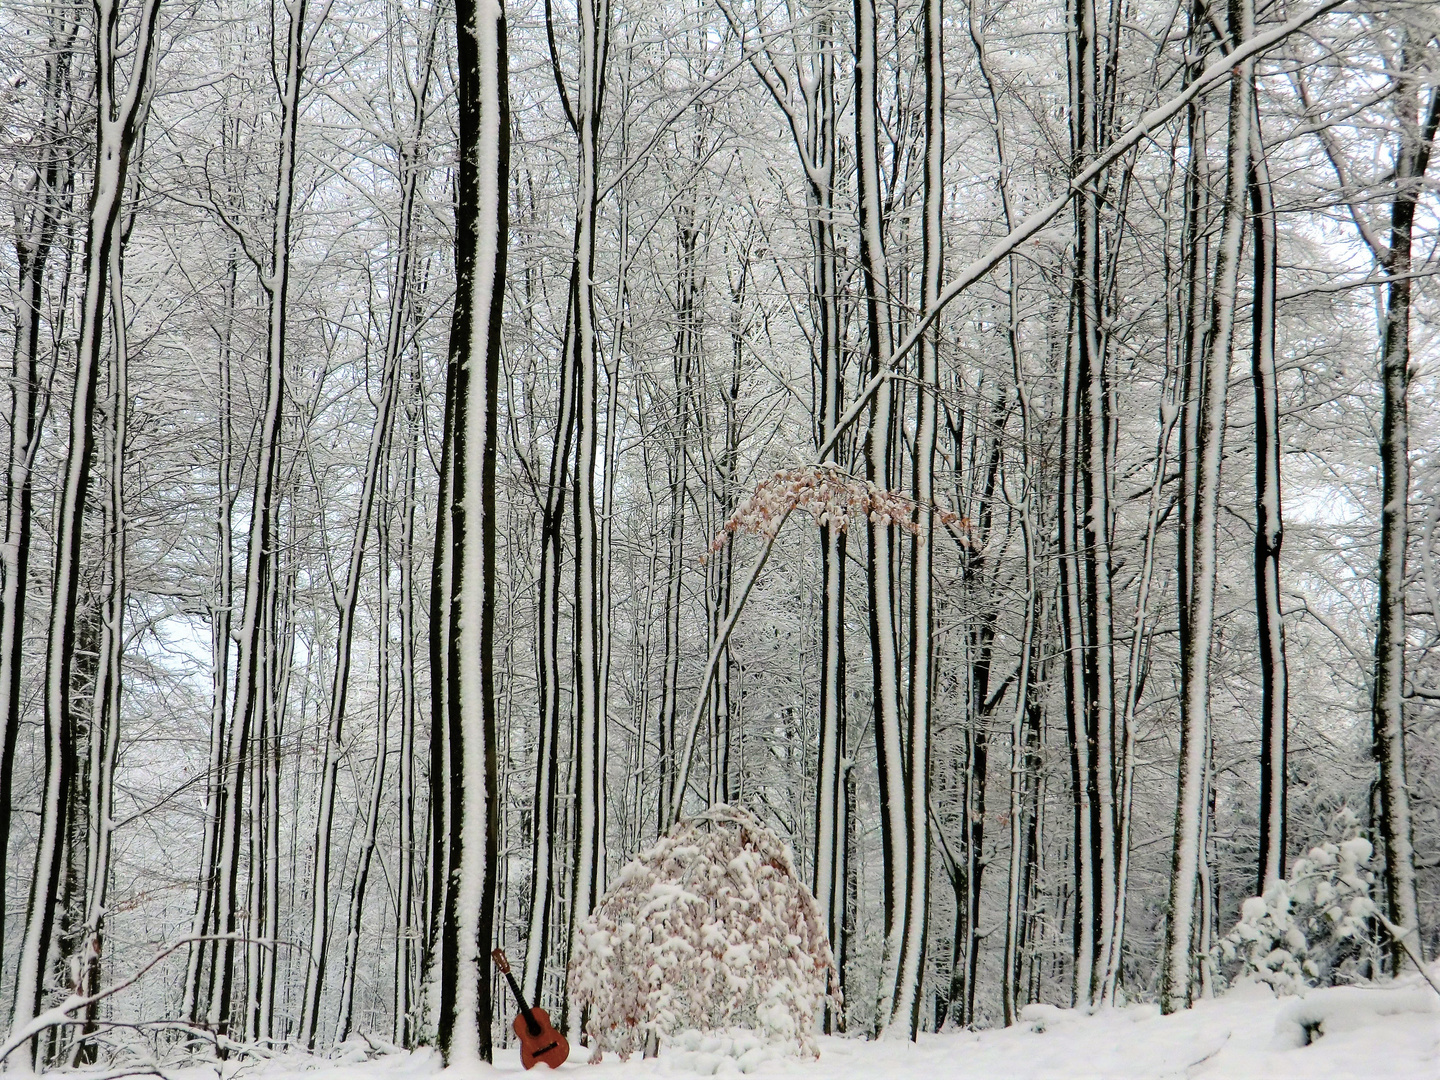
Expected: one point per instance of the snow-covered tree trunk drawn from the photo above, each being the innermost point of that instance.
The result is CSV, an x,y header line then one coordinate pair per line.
x,y
273,269
1088,133
1140,631
686,359
1417,136
1195,269
670,653
588,851
1019,765
1269,525
407,928
466,562
1073,638
377,780
397,327
104,739
220,643
36,230
821,152
255,816
895,823
812,123
1177,989
407,931
977,571
722,467
604,584
263,811
279,654
119,112
438,881
548,609
543,820
909,995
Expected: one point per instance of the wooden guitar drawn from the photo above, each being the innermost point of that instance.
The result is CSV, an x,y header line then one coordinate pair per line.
x,y
539,1041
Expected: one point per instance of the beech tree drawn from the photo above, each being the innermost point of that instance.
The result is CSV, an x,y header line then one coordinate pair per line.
x,y
120,109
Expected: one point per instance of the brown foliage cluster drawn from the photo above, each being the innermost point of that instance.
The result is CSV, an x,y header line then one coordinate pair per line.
x,y
832,497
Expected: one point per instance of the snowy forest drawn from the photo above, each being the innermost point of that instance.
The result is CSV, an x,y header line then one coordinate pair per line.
x,y
987,449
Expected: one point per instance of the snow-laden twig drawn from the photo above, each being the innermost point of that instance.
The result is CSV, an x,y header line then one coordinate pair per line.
x,y
1003,247
832,497
677,800
63,1013
1399,934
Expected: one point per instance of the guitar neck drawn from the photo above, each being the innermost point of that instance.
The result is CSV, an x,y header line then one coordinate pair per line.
x,y
531,1024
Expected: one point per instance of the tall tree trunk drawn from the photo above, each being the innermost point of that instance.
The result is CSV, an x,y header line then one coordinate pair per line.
x,y
981,703
407,932
377,788
1093,515
1029,647
1418,131
1075,643
686,360
280,638
547,733
1269,526
109,676
588,852
273,271
220,622
119,112
435,1003
35,235
1177,990
1193,326
380,434
906,1016
405,923
465,545
895,823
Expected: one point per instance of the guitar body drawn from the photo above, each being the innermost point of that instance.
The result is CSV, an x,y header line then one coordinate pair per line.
x,y
546,1045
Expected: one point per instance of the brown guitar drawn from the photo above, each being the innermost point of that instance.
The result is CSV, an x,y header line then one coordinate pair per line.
x,y
539,1041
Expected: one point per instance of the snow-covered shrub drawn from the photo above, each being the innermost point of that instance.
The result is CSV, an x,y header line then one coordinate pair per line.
x,y
1347,1008
709,930
1301,932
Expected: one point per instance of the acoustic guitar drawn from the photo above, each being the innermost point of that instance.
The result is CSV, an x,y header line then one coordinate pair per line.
x,y
539,1041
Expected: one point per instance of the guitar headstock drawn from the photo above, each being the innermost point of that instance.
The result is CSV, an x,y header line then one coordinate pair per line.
x,y
500,962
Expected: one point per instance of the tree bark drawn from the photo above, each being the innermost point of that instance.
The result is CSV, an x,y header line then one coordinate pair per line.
x,y
895,823
1418,131
922,619
1177,990
273,270
466,562
1269,526
35,237
588,851
117,129
397,324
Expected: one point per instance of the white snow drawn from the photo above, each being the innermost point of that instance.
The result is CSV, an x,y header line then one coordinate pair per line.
x,y
1390,1032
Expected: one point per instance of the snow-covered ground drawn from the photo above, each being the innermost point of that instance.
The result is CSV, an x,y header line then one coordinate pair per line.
x,y
1385,1033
